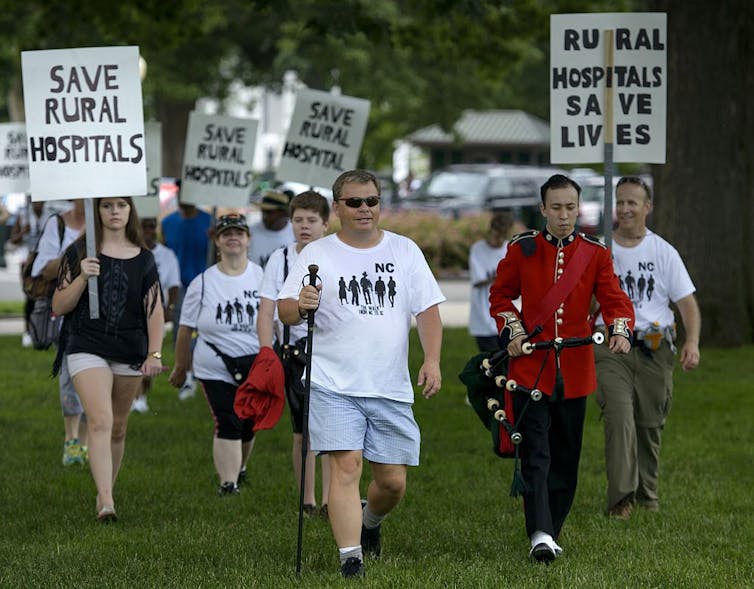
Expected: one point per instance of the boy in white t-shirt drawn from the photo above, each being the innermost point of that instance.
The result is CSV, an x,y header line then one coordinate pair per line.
x,y
484,256
361,392
310,214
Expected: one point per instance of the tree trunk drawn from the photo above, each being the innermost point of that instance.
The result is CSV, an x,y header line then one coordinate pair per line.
x,y
704,194
174,119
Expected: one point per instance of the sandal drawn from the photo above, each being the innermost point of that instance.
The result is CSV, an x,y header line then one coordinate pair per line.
x,y
107,514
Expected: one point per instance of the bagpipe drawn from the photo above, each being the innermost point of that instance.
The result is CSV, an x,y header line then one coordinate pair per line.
x,y
490,393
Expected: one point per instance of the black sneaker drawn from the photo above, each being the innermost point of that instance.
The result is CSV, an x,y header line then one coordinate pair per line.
x,y
543,553
241,477
229,488
310,510
370,539
353,567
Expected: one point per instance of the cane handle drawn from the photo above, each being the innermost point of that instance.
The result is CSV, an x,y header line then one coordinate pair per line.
x,y
313,269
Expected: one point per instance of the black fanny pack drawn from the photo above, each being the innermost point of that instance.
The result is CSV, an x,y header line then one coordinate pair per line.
x,y
238,366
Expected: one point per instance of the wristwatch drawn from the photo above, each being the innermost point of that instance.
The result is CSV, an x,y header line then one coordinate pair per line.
x,y
156,355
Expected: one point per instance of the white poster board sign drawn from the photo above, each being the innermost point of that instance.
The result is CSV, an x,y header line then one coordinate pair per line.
x,y
14,158
84,122
324,138
578,77
217,160
149,205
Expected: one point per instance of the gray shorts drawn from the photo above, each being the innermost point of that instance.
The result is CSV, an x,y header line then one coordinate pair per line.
x,y
384,430
83,361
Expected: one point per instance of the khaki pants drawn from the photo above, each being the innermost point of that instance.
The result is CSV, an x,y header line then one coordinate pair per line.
x,y
635,392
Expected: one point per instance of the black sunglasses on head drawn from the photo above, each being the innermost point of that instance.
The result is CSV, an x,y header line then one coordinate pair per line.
x,y
355,203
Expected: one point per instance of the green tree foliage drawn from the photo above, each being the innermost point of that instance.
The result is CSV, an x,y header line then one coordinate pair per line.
x,y
419,61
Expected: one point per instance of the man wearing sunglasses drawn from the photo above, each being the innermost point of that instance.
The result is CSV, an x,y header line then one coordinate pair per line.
x,y
361,392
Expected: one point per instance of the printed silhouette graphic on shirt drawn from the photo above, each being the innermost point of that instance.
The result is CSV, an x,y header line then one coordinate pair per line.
x,y
379,290
342,292
353,286
368,293
219,314
366,288
641,289
642,284
630,281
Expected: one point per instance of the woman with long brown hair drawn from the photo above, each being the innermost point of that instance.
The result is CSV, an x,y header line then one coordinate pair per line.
x,y
108,356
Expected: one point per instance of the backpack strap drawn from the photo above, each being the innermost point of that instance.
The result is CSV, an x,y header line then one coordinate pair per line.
x,y
61,230
286,328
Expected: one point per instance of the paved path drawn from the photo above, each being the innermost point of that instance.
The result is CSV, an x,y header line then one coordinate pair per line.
x,y
454,311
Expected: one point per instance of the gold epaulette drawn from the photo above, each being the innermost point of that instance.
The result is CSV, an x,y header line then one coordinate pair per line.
x,y
593,240
524,235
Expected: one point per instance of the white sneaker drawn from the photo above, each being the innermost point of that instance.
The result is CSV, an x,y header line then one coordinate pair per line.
x,y
188,390
26,340
140,404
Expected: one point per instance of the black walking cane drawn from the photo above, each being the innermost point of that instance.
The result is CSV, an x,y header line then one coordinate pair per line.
x,y
313,268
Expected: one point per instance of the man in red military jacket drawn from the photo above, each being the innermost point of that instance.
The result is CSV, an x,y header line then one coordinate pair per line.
x,y
552,427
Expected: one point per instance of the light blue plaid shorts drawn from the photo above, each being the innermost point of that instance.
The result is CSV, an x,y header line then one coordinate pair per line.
x,y
384,430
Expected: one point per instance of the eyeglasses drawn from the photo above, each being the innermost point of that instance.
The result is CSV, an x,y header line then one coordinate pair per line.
x,y
355,203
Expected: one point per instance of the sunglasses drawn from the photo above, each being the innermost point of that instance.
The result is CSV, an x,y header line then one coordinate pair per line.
x,y
355,203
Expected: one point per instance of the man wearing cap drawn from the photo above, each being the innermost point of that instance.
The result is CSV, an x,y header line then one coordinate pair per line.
x,y
274,230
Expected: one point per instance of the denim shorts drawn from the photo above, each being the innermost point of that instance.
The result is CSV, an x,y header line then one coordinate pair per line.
x,y
384,430
83,361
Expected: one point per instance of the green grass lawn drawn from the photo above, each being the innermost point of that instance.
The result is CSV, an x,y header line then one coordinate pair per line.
x,y
457,526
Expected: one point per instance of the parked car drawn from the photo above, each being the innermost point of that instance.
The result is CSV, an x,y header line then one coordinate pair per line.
x,y
472,188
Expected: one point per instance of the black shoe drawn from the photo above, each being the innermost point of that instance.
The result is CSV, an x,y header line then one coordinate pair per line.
x,y
370,539
310,510
324,513
241,477
229,488
353,567
543,553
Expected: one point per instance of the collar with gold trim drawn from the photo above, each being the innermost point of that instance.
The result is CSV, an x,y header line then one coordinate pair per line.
x,y
558,241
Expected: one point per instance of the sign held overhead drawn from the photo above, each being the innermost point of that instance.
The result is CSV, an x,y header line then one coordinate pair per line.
x,y
217,160
324,138
85,122
580,77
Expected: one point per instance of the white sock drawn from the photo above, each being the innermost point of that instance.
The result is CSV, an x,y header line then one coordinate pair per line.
x,y
540,537
370,519
349,552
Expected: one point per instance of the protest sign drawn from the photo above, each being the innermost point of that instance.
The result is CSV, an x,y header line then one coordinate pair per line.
x,y
14,158
584,69
84,122
149,205
217,160
324,138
